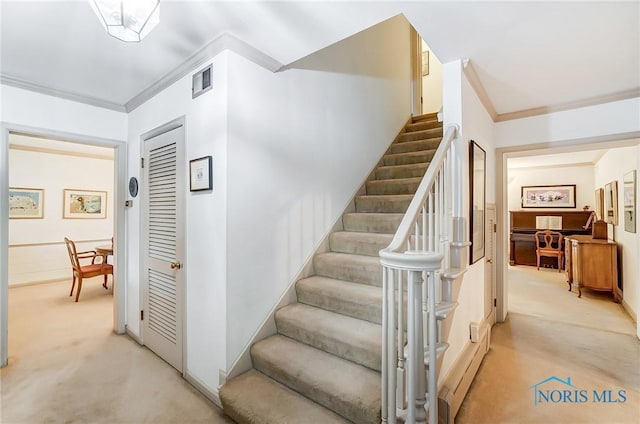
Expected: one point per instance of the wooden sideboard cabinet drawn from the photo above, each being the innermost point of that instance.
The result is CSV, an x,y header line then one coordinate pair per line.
x,y
592,264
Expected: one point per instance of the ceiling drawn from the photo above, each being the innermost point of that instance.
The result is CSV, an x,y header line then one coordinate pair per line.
x,y
526,54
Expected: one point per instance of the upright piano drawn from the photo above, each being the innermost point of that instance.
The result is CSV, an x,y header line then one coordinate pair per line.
x,y
522,226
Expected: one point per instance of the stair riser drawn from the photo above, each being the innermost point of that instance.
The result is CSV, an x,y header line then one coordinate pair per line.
x,y
363,355
409,171
341,269
427,117
368,223
267,358
408,158
369,311
414,146
421,135
356,246
423,125
392,187
372,204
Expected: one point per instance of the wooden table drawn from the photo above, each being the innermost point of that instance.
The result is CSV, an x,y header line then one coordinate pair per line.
x,y
105,251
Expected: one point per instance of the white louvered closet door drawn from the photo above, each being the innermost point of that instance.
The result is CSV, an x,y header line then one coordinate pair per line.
x,y
163,245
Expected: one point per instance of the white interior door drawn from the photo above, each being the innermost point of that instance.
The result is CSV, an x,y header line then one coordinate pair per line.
x,y
489,266
163,245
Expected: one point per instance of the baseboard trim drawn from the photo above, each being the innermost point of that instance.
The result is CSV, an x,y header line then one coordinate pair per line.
x,y
134,336
209,393
456,385
630,311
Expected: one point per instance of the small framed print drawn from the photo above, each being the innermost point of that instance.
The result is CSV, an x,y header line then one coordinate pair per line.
x,y
201,175
84,204
26,203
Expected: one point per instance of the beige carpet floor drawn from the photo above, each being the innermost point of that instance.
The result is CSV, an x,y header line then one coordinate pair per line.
x,y
550,332
67,366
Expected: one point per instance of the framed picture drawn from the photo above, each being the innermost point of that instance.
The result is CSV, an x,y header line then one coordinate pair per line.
x,y
84,204
477,183
549,196
629,201
425,63
599,204
611,203
26,203
201,174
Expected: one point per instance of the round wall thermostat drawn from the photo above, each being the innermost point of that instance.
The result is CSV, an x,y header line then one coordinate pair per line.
x,y
133,186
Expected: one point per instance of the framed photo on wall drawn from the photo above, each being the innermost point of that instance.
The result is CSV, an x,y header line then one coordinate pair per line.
x,y
549,196
84,204
26,203
611,203
201,174
629,201
600,204
477,187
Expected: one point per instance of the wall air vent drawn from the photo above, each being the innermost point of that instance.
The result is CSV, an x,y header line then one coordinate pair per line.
x,y
201,82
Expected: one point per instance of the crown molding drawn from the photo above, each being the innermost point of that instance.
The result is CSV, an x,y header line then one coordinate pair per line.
x,y
474,80
68,95
593,101
476,84
224,42
62,152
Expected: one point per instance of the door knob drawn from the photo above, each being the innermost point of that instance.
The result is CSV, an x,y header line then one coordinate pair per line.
x,y
490,261
176,265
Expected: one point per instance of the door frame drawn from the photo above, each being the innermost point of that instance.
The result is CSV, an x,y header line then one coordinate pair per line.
x,y
491,317
169,126
120,259
416,72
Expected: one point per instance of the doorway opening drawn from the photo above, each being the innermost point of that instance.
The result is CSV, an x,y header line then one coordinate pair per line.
x,y
46,171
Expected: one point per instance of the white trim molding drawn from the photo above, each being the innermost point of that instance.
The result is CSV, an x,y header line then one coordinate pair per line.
x,y
481,92
224,42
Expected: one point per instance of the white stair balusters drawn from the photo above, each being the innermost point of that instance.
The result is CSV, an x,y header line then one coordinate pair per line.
x,y
415,261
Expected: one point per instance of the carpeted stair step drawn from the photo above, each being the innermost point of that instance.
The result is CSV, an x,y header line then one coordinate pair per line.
x,y
344,266
386,223
265,393
393,186
408,157
415,146
350,338
401,171
423,125
388,203
420,135
426,117
358,243
348,389
343,297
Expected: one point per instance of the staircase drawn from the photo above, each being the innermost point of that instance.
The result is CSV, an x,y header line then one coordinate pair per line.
x,y
324,365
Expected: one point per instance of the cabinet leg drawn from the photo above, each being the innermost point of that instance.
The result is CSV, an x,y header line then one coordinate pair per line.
x,y
579,291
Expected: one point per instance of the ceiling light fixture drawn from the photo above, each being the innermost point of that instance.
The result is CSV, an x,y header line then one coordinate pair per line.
x,y
127,20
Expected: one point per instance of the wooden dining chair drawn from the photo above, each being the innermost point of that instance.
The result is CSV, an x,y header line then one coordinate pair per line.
x,y
549,243
80,271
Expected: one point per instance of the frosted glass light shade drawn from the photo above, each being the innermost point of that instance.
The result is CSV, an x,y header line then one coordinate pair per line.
x,y
127,20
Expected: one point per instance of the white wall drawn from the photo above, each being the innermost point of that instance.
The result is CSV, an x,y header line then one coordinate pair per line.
x,y
432,83
588,122
206,212
26,108
301,142
612,167
55,172
42,111
581,176
461,102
